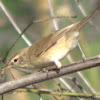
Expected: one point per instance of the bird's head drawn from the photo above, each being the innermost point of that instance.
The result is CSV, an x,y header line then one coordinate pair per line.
x,y
17,60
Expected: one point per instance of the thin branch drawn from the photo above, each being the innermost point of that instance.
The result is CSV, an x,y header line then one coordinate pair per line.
x,y
43,76
50,92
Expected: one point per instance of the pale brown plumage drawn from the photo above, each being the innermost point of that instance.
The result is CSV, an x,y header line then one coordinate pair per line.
x,y
50,49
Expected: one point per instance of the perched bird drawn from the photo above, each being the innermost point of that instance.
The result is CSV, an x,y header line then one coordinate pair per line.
x,y
51,49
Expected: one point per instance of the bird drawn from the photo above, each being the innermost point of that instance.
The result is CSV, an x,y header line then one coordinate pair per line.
x,y
50,49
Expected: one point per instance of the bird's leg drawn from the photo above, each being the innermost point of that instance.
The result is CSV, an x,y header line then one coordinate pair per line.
x,y
57,63
82,53
83,58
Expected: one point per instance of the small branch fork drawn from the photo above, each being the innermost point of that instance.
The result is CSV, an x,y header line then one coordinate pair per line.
x,y
43,76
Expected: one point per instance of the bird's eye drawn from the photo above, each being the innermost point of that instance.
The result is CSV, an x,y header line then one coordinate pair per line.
x,y
15,60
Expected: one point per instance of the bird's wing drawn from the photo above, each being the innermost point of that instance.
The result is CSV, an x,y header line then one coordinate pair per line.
x,y
41,46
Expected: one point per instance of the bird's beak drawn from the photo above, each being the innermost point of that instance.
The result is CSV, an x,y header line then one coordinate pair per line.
x,y
6,67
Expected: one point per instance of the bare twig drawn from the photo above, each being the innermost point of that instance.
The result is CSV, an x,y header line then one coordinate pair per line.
x,y
41,76
50,92
11,74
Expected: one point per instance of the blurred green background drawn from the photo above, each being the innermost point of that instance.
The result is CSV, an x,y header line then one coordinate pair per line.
x,y
23,12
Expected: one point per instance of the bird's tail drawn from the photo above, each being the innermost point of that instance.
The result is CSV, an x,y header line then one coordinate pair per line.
x,y
83,22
